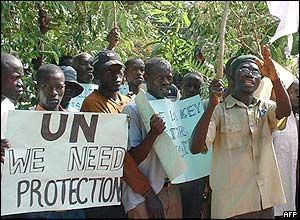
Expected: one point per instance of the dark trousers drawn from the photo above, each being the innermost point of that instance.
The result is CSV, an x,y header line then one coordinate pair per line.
x,y
116,211
191,197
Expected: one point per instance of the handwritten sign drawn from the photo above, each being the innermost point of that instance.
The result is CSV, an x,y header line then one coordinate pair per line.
x,y
181,117
62,161
76,102
164,147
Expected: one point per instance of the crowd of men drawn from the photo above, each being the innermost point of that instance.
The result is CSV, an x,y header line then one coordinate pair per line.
x,y
253,170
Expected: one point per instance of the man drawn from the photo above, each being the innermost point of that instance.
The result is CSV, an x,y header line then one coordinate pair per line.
x,y
286,148
158,75
72,89
134,74
51,88
191,192
244,178
110,71
12,73
82,63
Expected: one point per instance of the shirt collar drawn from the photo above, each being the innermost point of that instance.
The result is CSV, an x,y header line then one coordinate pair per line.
x,y
231,101
151,97
40,108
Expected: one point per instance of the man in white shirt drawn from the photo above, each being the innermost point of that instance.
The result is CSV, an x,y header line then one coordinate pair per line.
x,y
11,87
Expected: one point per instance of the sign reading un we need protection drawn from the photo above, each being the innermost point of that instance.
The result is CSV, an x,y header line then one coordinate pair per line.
x,y
62,161
181,117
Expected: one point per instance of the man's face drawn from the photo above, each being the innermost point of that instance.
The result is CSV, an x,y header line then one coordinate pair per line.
x,y
51,91
69,93
11,81
85,69
293,92
191,87
112,78
135,72
247,78
159,83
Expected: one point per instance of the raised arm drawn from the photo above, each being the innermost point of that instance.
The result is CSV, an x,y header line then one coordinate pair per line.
x,y
200,131
267,69
140,152
113,38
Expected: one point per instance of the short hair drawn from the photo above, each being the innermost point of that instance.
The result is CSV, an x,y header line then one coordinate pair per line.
x,y
131,61
45,70
63,58
7,61
156,64
77,58
192,74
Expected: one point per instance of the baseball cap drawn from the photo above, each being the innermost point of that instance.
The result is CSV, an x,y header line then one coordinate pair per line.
x,y
105,59
70,77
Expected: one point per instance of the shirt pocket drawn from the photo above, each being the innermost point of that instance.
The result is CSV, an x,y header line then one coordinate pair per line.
x,y
231,135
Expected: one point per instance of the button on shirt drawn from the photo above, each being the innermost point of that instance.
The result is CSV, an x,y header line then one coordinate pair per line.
x,y
244,171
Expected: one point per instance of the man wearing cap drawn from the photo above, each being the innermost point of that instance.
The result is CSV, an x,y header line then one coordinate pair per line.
x,y
109,69
245,179
72,89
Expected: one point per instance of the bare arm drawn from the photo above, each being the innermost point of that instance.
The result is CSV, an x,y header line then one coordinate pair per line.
x,y
113,38
140,152
201,128
267,68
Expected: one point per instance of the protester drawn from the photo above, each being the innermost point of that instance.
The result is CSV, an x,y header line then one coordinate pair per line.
x,y
65,60
244,178
158,75
12,73
191,192
82,63
134,75
72,89
286,150
51,88
107,99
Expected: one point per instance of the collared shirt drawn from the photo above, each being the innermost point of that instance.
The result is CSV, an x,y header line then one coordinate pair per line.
x,y
286,150
244,173
150,166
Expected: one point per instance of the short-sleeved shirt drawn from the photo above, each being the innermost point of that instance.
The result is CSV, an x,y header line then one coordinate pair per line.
x,y
244,174
96,102
150,166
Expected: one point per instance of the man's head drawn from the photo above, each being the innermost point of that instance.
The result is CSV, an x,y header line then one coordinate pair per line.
x,y
73,88
109,69
134,71
11,76
293,92
191,85
51,86
246,74
158,75
82,63
65,60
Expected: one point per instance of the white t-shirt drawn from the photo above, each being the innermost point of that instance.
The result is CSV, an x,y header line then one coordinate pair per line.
x,y
6,105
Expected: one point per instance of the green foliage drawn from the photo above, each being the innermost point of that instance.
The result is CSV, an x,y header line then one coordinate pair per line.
x,y
169,29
